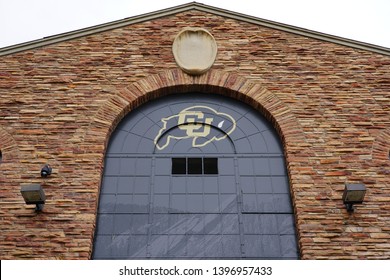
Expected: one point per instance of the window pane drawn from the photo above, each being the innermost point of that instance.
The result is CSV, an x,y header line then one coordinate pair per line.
x,y
194,166
179,166
210,165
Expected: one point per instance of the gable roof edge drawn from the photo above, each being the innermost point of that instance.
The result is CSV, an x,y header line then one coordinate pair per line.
x,y
183,8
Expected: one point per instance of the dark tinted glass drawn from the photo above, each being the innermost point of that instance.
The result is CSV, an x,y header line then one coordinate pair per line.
x,y
210,165
194,166
179,166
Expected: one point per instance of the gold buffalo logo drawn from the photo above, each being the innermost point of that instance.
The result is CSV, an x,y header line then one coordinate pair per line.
x,y
195,122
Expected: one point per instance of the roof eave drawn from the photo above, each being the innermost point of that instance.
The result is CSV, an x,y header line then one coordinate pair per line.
x,y
183,8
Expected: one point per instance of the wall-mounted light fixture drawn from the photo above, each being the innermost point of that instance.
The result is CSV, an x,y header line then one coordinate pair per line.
x,y
33,194
353,194
46,171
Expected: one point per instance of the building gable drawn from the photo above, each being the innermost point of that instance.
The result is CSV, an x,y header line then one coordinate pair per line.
x,y
189,7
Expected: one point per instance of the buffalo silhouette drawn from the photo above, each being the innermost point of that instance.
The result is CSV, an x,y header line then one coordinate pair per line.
x,y
195,122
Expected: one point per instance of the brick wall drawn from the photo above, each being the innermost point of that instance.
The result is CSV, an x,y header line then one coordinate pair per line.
x,y
330,104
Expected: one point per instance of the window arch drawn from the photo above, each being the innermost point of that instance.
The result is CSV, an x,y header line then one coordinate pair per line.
x,y
243,211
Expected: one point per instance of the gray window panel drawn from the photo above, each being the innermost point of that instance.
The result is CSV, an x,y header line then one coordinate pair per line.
x,y
286,224
161,203
212,224
277,166
223,146
152,131
230,108
257,120
107,203
213,244
127,166
145,146
289,247
282,203
110,185
125,185
246,125
177,223
196,246
231,246
131,143
263,185
266,203
271,246
143,166
228,203
142,185
105,224
227,184
226,166
273,142
102,246
194,185
162,184
122,224
195,224
139,224
237,134
210,184
245,166
243,146
138,246
116,142
124,204
194,203
178,185
177,245
280,185
120,246
155,114
140,203
260,224
230,224
258,144
253,246
247,184
261,166
159,246
178,203
129,121
112,166
249,203
163,166
141,127
160,224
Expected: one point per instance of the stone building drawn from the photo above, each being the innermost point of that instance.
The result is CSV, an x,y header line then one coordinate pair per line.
x,y
195,132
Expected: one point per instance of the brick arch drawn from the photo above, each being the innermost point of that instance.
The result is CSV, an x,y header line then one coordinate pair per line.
x,y
381,148
8,147
95,141
176,81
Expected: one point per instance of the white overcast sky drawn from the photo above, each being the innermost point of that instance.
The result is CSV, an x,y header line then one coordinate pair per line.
x,y
362,20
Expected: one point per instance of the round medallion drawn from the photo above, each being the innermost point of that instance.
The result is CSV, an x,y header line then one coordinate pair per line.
x,y
194,50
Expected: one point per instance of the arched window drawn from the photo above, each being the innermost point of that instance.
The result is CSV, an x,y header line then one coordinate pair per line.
x,y
195,176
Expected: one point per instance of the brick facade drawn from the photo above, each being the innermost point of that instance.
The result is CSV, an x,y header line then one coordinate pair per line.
x,y
330,104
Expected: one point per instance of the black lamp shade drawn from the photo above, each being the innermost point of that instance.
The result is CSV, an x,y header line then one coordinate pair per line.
x,y
354,193
33,194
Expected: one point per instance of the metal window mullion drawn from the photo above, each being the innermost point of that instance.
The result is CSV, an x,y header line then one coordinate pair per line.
x,y
151,207
240,208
